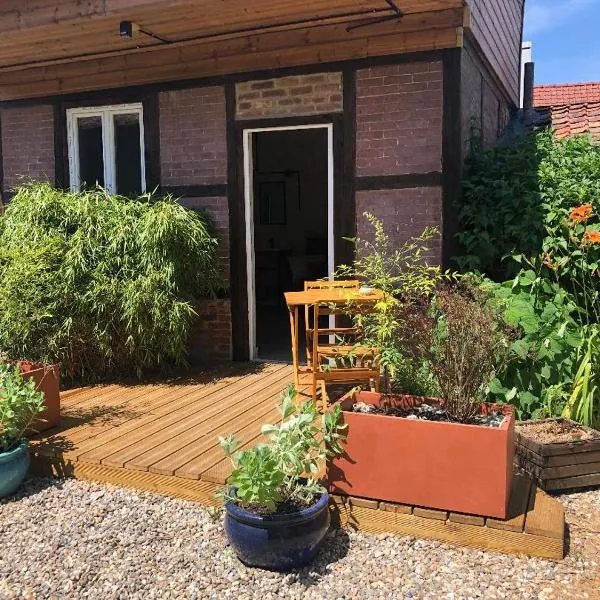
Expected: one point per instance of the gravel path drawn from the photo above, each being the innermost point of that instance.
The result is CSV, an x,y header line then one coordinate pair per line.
x,y
73,539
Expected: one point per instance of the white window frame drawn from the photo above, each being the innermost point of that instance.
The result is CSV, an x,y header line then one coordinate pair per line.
x,y
107,114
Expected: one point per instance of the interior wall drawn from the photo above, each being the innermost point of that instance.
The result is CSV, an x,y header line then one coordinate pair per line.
x,y
304,151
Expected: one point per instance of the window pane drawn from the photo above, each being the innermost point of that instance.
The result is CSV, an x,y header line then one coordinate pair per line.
x,y
91,159
128,154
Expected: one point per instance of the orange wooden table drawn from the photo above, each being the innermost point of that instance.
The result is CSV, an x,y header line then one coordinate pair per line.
x,y
338,297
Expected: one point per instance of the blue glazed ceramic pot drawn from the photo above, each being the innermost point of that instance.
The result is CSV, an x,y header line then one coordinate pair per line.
x,y
13,468
277,542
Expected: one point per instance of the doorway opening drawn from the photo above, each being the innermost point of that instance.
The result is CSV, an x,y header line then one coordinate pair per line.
x,y
289,221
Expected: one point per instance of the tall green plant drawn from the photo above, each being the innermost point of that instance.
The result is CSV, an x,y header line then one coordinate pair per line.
x,y
516,196
102,284
405,276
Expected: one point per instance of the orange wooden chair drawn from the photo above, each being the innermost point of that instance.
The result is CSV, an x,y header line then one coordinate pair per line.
x,y
345,284
343,361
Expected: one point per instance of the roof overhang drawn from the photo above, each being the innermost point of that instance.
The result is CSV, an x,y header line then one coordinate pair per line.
x,y
61,46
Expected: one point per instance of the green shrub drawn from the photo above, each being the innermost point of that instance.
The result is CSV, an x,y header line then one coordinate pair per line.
x,y
20,403
539,374
101,284
464,340
405,276
517,195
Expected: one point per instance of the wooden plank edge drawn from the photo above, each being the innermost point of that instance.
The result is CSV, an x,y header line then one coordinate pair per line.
x,y
458,534
174,487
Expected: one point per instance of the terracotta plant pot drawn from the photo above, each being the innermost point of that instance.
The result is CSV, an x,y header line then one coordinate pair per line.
x,y
433,464
47,379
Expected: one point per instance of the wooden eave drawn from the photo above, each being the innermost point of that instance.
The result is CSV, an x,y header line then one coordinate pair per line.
x,y
64,46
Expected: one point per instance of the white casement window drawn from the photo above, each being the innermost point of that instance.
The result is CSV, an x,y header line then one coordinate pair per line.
x,y
106,147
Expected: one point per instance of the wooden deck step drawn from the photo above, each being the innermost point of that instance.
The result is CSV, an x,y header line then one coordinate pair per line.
x,y
162,437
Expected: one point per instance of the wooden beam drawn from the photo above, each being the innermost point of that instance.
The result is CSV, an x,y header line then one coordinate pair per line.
x,y
16,15
313,30
228,57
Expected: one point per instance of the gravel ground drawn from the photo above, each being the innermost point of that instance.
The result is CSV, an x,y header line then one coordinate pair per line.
x,y
73,539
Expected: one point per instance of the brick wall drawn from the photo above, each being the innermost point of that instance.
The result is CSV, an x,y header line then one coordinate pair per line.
x,y
193,139
289,96
404,213
218,209
399,132
27,144
193,152
211,338
399,119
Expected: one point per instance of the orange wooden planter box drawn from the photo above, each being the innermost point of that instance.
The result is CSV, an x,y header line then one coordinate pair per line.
x,y
448,466
47,380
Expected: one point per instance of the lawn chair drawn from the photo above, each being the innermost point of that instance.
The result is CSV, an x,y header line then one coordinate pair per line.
x,y
343,360
349,284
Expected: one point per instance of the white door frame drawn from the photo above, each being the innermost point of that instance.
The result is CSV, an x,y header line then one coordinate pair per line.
x,y
249,210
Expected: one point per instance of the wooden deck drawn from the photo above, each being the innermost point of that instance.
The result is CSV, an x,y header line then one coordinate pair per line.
x,y
163,437
168,429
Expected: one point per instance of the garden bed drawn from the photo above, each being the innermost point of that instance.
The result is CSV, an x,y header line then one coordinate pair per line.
x,y
558,453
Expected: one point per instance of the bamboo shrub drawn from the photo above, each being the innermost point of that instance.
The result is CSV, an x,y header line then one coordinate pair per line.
x,y
102,284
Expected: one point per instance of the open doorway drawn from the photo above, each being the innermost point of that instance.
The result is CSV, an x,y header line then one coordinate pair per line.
x,y
289,206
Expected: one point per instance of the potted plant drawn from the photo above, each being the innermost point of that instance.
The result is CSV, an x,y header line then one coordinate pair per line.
x,y
454,453
277,513
20,403
47,380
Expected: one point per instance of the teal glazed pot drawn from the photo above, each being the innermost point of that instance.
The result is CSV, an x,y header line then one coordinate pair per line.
x,y
13,469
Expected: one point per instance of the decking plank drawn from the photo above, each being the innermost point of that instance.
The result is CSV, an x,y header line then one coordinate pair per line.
x,y
220,471
459,534
187,432
545,516
150,409
166,424
517,506
191,462
247,432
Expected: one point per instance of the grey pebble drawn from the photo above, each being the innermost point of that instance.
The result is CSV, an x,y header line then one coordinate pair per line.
x,y
79,540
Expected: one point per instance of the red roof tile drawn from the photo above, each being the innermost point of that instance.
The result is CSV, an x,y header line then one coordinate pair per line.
x,y
572,93
572,119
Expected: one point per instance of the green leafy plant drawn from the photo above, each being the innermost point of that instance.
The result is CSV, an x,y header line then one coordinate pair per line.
x,y
406,277
464,341
102,284
281,473
583,404
20,403
539,374
517,197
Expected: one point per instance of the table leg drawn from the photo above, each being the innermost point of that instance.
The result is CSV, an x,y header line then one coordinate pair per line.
x,y
294,334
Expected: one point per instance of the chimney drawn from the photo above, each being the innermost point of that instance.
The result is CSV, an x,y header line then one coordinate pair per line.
x,y
528,83
526,57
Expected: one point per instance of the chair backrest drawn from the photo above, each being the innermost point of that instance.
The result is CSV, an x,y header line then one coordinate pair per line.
x,y
346,284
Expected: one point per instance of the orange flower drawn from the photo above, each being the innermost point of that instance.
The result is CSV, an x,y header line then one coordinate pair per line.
x,y
582,213
591,237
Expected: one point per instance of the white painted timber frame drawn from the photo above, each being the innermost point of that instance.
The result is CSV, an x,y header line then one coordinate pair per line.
x,y
107,114
249,210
